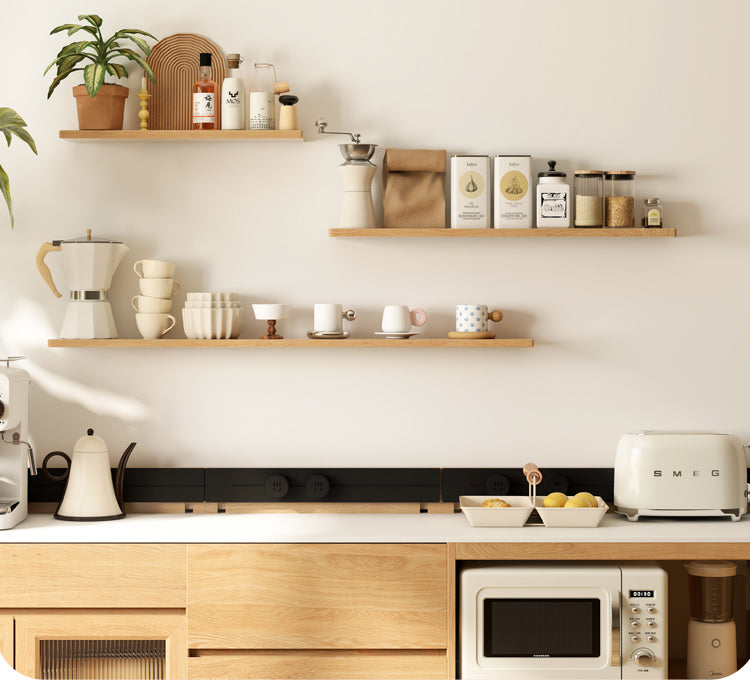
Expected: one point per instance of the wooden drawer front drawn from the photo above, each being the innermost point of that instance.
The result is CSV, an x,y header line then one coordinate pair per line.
x,y
312,664
317,596
85,575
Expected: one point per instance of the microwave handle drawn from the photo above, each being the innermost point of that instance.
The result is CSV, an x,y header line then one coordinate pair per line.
x,y
616,651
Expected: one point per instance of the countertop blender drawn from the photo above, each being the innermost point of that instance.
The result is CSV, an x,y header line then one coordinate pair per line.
x,y
16,455
89,265
712,633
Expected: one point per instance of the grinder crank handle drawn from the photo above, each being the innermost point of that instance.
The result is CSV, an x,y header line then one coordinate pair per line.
x,y
44,269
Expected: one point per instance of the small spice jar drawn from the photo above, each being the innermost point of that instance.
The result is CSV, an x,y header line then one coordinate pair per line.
x,y
589,187
652,213
619,198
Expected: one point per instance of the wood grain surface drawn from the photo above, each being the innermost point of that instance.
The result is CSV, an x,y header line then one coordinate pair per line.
x,y
317,596
380,232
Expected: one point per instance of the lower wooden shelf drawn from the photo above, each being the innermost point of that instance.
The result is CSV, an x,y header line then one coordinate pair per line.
x,y
182,135
292,342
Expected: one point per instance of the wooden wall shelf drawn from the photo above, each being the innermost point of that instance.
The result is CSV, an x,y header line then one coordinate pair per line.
x,y
502,233
182,135
293,342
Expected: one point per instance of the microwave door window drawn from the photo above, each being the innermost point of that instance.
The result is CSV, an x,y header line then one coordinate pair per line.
x,y
542,628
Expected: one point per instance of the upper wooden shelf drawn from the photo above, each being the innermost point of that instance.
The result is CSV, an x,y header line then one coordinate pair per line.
x,y
294,342
182,135
381,232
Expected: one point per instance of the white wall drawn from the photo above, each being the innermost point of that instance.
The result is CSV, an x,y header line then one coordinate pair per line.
x,y
629,333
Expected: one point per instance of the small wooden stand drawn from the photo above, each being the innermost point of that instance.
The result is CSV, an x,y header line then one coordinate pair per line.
x,y
271,334
143,114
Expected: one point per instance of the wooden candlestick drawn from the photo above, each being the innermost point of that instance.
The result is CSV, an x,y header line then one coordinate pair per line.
x,y
271,333
143,114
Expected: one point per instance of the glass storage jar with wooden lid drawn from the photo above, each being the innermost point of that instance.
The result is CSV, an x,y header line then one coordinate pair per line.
x,y
589,198
619,198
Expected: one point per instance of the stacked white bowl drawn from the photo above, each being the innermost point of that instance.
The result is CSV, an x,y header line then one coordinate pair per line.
x,y
212,316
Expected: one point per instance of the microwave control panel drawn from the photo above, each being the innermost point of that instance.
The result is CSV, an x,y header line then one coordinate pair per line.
x,y
644,622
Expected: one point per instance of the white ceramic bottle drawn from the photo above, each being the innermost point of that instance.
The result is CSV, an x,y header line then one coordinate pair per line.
x,y
262,105
552,198
233,96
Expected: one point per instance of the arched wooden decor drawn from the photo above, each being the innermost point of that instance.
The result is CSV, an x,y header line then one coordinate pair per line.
x,y
175,62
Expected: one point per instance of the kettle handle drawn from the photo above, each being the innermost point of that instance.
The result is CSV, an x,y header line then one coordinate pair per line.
x,y
48,474
120,478
47,247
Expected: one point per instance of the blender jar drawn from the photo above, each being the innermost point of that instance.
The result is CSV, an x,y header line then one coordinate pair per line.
x,y
711,586
619,198
589,186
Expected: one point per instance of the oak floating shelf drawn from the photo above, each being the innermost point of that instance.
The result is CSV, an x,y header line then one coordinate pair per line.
x,y
293,342
182,135
381,232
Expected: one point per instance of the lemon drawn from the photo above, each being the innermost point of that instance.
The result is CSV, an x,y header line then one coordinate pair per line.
x,y
555,500
577,503
589,498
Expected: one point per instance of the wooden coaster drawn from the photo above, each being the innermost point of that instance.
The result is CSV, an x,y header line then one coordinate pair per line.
x,y
175,63
456,335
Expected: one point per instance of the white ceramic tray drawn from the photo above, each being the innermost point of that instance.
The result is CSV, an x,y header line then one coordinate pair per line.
x,y
572,517
514,516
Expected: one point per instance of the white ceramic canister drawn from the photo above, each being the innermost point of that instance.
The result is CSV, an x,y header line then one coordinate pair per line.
x,y
233,96
552,198
470,178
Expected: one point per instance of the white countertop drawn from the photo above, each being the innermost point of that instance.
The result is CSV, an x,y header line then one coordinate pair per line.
x,y
361,528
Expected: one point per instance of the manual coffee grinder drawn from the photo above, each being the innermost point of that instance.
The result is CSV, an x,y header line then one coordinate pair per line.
x,y
712,635
356,173
16,455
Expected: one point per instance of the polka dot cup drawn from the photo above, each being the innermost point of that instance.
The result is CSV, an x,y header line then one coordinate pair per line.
x,y
475,318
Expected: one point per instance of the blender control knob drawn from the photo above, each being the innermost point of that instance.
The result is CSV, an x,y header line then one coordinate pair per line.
x,y
643,658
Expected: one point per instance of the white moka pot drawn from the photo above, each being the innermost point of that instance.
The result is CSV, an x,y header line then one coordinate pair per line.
x,y
89,493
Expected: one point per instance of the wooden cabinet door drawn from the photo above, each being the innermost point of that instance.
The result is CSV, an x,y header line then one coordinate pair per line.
x,y
144,645
7,639
318,596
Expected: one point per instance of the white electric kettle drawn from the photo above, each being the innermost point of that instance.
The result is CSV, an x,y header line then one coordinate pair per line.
x,y
89,494
89,265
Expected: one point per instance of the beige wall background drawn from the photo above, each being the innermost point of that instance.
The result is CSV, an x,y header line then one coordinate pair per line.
x,y
629,334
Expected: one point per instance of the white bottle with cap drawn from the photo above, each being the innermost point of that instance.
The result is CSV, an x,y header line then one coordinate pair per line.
x,y
552,198
233,97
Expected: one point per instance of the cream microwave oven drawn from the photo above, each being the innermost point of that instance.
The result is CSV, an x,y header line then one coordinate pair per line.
x,y
563,620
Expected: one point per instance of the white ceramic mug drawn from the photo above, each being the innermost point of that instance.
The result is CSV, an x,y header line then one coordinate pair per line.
x,y
329,318
159,288
153,326
154,269
400,319
475,318
150,305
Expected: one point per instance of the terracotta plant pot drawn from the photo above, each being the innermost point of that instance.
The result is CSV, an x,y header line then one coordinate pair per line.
x,y
103,112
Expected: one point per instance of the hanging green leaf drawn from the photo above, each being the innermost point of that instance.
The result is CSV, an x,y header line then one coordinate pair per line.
x,y
91,18
93,77
59,79
5,190
129,54
64,27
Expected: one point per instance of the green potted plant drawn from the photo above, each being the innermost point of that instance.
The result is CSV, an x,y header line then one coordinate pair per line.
x,y
100,105
12,124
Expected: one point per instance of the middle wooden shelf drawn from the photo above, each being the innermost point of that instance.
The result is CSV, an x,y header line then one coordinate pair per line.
x,y
423,343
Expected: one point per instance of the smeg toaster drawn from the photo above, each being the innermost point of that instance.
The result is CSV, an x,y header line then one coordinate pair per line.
x,y
690,474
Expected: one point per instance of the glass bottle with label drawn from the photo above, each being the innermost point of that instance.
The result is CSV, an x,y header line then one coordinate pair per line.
x,y
262,105
205,92
552,198
233,96
653,216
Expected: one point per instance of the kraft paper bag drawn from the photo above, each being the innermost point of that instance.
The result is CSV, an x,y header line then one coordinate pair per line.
x,y
414,188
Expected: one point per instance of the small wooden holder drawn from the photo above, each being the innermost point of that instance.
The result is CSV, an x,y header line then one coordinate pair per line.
x,y
143,114
271,333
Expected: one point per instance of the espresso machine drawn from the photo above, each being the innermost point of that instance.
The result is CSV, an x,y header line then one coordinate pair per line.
x,y
712,633
16,455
